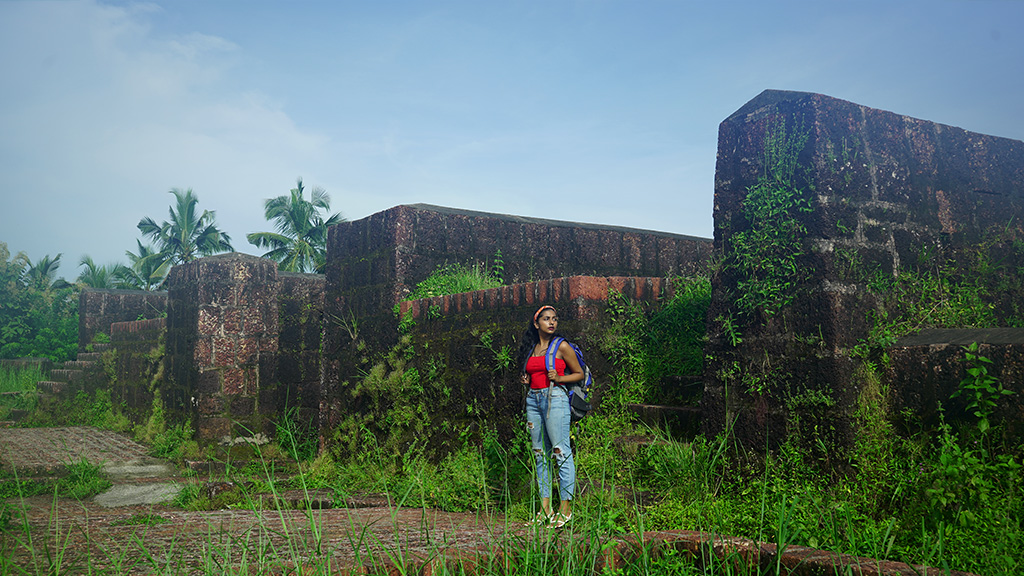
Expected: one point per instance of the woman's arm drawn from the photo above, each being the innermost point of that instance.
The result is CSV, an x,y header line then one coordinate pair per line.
x,y
566,353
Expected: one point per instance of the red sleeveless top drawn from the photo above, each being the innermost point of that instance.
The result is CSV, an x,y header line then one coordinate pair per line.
x,y
538,373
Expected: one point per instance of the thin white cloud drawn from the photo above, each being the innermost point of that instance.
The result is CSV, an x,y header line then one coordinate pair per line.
x,y
111,116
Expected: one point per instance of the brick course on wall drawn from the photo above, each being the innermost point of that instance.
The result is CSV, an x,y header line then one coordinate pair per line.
x,y
885,191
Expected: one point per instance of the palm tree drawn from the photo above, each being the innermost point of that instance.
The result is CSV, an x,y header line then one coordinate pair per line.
x,y
147,271
95,276
187,235
300,243
40,274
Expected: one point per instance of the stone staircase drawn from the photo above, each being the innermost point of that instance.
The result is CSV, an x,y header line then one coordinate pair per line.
x,y
64,380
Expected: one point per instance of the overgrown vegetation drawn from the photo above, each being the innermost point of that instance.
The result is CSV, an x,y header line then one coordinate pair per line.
x,y
81,480
38,312
18,389
765,254
951,501
657,353
456,278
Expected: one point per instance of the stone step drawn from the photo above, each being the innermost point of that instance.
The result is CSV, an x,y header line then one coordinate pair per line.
x,y
89,356
12,394
17,415
77,364
51,387
681,421
65,375
100,347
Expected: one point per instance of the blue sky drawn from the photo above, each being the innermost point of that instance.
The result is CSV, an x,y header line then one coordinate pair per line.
x,y
590,110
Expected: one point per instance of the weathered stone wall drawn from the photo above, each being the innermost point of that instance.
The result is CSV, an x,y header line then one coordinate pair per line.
x,y
925,370
375,262
137,361
884,191
301,325
451,366
98,309
222,345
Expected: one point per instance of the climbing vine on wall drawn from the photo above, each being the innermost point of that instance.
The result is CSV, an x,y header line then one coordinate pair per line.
x,y
765,255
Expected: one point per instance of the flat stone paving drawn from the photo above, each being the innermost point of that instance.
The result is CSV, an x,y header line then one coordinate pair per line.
x,y
159,539
48,450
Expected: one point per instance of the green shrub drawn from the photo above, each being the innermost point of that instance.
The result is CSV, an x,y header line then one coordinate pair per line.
x,y
456,279
174,443
84,479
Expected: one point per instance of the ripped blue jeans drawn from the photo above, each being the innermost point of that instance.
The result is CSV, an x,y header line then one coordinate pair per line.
x,y
549,433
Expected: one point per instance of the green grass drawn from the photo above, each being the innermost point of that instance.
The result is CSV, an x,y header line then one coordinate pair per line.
x,y
650,482
456,279
18,389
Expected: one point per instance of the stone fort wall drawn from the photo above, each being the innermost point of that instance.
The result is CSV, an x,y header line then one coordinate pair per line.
x,y
883,193
244,343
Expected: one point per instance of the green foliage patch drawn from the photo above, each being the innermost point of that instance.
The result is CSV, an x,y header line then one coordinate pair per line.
x,y
38,316
18,389
655,348
457,278
765,254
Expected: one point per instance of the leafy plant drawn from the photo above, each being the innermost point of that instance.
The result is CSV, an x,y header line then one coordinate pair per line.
x,y
300,242
188,234
39,315
503,355
765,253
17,388
982,389
84,479
174,442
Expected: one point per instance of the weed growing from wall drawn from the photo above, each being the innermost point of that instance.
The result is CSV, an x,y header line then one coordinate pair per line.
x,y
458,278
504,355
765,254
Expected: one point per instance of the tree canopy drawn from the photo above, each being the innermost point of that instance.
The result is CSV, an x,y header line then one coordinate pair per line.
x,y
300,242
188,234
38,314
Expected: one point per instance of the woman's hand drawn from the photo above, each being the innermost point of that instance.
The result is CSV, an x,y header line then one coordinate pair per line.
x,y
524,379
553,375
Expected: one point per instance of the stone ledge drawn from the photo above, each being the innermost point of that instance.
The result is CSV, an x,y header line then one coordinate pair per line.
x,y
963,337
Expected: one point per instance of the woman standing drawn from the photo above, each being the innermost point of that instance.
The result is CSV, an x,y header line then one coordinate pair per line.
x,y
547,412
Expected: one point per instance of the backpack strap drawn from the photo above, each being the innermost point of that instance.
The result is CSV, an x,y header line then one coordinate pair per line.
x,y
549,356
